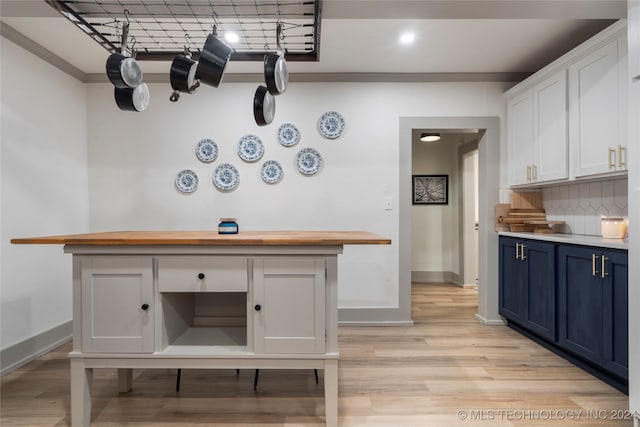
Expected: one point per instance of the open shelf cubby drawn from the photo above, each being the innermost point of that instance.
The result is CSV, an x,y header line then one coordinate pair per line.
x,y
204,321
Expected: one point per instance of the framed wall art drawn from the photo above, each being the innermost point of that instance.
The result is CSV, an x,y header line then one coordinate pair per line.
x,y
430,189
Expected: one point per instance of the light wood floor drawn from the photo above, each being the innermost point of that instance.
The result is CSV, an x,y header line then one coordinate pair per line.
x,y
443,369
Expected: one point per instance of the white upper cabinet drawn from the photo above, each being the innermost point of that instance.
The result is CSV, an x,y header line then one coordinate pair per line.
x,y
520,113
538,133
597,109
568,121
550,129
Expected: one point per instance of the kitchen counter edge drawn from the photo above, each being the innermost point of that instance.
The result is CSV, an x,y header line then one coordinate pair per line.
x,y
573,239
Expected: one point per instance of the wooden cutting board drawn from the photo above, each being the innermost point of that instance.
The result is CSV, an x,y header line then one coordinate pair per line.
x,y
526,200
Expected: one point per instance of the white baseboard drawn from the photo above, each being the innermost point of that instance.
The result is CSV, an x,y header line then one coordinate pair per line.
x,y
12,357
436,277
490,322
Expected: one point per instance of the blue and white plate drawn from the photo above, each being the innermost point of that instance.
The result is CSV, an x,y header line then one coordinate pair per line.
x,y
272,172
207,151
331,124
187,181
226,177
308,161
250,148
288,135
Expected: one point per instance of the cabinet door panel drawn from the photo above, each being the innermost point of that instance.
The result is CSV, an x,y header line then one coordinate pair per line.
x,y
616,317
520,138
113,293
581,304
540,302
511,281
550,127
594,109
291,296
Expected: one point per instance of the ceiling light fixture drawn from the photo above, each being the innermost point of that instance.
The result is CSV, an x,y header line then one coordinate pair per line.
x,y
231,37
430,137
407,38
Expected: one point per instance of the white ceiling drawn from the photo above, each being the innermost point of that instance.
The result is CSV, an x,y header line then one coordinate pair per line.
x,y
361,36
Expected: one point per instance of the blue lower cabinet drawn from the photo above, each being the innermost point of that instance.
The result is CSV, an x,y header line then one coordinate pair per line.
x,y
616,314
593,308
572,299
527,287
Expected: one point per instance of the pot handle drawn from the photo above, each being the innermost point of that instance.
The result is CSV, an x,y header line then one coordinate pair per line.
x,y
278,36
175,95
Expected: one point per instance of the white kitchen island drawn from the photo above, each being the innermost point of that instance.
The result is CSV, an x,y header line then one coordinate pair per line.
x,y
197,299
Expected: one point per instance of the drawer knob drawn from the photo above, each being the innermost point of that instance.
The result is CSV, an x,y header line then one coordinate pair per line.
x,y
200,276
145,307
258,307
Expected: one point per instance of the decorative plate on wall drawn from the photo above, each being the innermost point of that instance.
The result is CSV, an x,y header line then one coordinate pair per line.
x,y
272,172
250,148
187,181
331,124
226,177
207,151
288,135
308,161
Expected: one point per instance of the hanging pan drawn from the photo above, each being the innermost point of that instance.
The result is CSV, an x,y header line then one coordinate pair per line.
x,y
183,75
136,99
264,106
276,74
213,60
123,70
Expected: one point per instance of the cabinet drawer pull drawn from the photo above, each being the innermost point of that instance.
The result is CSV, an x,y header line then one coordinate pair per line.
x,y
522,255
145,307
200,276
612,163
528,173
602,264
594,271
535,173
517,249
258,307
620,162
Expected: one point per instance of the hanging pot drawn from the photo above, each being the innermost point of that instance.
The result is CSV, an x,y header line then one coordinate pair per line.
x,y
276,74
264,106
183,76
123,70
136,99
213,60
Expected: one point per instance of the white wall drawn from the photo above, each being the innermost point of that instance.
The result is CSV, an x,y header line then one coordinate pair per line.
x,y
134,158
634,206
44,190
435,228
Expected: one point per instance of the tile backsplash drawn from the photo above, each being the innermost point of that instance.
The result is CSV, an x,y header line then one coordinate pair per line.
x,y
581,205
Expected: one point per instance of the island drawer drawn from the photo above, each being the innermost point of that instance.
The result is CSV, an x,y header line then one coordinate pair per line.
x,y
203,274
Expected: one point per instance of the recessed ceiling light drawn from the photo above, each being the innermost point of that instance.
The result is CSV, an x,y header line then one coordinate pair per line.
x,y
231,37
407,38
430,137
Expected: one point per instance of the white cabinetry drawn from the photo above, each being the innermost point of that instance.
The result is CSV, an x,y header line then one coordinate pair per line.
x,y
550,129
117,305
598,127
568,121
289,311
520,113
538,132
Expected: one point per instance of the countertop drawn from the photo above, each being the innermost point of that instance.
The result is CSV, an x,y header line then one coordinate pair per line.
x,y
575,239
212,238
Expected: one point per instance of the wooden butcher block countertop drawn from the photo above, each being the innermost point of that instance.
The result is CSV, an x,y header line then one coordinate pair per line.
x,y
212,238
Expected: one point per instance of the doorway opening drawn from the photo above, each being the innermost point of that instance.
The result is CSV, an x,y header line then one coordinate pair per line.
x,y
488,165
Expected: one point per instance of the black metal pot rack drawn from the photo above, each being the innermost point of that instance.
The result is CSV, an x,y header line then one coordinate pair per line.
x,y
161,30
